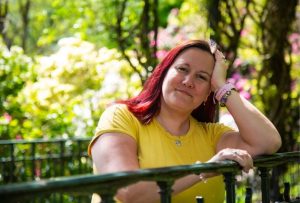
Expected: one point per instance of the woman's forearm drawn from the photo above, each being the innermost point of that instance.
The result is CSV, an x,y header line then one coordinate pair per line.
x,y
147,192
255,128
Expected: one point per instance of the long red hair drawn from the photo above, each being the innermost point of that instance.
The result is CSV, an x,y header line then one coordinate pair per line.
x,y
147,103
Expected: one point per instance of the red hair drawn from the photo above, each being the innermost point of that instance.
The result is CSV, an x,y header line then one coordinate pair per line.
x,y
147,104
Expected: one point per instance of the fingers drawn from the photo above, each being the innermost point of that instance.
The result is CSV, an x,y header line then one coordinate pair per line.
x,y
218,78
238,155
219,56
244,159
213,46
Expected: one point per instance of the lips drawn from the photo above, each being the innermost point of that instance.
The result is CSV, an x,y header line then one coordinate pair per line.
x,y
184,92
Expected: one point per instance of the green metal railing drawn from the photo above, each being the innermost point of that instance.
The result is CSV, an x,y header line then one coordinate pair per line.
x,y
106,185
22,160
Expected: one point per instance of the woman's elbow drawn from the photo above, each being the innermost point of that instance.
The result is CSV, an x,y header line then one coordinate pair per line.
x,y
275,144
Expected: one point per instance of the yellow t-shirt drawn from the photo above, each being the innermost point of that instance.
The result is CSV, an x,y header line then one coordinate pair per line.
x,y
158,148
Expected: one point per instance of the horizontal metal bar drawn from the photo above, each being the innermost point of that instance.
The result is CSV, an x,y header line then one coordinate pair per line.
x,y
88,184
277,159
42,157
112,181
37,141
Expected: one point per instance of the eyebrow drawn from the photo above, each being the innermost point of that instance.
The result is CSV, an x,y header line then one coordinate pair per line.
x,y
201,71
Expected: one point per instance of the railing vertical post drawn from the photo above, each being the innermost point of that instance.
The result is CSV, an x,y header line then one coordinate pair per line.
x,y
165,191
79,156
229,179
33,161
62,157
48,164
199,199
23,169
248,198
265,184
286,193
12,163
107,197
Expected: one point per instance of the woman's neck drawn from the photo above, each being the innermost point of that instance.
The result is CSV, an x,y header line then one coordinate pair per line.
x,y
174,123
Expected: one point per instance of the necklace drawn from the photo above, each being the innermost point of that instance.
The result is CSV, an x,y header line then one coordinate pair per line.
x,y
178,143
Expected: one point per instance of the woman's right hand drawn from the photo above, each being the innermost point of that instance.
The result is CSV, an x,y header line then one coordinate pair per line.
x,y
218,78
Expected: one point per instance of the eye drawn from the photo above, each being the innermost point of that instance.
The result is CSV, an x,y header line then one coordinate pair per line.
x,y
202,77
182,69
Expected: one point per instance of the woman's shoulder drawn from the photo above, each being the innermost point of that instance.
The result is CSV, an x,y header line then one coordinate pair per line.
x,y
118,111
116,108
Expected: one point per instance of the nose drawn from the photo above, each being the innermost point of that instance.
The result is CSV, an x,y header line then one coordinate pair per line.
x,y
188,82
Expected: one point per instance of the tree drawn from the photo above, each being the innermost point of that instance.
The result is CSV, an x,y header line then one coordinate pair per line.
x,y
275,76
3,17
273,22
134,26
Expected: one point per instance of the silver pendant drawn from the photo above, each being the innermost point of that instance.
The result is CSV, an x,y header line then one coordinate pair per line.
x,y
178,143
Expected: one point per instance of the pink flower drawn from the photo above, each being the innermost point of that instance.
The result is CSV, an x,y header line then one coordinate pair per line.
x,y
161,54
245,94
293,85
37,172
294,39
294,36
237,62
244,32
152,43
240,84
295,48
7,117
236,76
19,137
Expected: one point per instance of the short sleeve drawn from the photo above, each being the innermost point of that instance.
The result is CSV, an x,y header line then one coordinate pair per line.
x,y
116,118
215,131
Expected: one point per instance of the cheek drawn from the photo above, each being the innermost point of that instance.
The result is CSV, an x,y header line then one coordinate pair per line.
x,y
171,78
204,89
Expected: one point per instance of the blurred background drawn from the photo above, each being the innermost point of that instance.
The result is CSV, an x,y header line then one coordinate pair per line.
x,y
63,61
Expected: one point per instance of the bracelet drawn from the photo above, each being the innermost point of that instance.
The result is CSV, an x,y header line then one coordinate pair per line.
x,y
224,98
202,178
220,92
223,93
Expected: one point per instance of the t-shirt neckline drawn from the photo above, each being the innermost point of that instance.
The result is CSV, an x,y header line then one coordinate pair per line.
x,y
177,137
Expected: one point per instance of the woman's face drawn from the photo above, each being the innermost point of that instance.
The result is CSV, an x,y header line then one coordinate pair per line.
x,y
187,82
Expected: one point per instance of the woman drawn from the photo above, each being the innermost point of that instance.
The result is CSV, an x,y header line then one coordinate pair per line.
x,y
171,123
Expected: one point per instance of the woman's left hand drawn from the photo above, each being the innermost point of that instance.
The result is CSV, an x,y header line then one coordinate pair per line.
x,y
241,156
218,78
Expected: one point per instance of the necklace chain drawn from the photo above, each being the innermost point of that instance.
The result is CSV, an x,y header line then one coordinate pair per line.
x,y
178,142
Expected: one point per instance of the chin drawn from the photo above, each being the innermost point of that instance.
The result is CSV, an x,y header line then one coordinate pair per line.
x,y
182,107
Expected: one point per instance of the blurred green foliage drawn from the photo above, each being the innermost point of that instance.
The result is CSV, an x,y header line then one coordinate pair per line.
x,y
70,68
70,89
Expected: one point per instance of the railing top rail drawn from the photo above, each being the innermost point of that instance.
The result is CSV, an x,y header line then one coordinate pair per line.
x,y
276,159
7,142
93,183
112,181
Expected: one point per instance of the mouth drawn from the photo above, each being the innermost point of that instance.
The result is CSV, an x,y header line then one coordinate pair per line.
x,y
184,92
